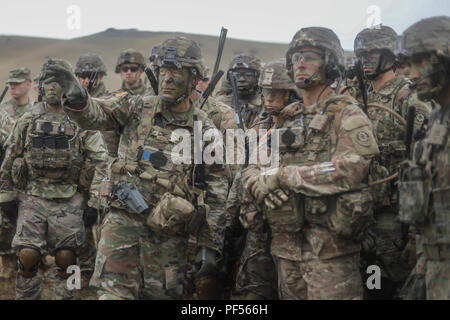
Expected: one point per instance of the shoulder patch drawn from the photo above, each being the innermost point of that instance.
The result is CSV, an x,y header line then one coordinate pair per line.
x,y
355,122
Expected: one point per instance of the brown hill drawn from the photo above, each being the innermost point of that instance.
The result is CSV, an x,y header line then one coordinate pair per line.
x,y
16,51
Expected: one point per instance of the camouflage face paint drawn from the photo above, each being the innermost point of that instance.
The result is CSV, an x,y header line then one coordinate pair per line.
x,y
53,93
173,82
370,62
425,76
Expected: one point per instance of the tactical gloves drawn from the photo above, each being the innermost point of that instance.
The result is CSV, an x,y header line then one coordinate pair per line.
x,y
266,188
10,209
74,92
89,216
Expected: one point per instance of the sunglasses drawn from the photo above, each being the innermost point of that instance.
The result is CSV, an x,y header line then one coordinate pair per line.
x,y
132,69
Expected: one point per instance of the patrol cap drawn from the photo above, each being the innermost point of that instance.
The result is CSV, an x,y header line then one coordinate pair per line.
x,y
19,75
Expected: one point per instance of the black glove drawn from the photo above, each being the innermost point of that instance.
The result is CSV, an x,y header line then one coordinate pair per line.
x,y
206,263
74,92
89,216
10,209
420,289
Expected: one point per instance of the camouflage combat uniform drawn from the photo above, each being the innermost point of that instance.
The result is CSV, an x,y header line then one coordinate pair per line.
x,y
251,107
90,64
12,113
256,276
325,150
133,260
112,138
425,184
15,111
46,168
395,95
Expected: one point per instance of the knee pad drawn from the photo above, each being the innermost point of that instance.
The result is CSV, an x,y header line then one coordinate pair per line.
x,y
63,259
28,261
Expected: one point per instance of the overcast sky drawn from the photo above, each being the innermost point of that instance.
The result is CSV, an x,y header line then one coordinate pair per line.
x,y
263,20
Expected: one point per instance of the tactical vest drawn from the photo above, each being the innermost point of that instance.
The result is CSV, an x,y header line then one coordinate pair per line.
x,y
308,140
148,164
53,148
389,133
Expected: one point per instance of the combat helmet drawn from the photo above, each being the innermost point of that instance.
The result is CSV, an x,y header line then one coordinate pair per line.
x,y
377,38
90,62
130,56
180,52
426,36
246,61
323,38
274,76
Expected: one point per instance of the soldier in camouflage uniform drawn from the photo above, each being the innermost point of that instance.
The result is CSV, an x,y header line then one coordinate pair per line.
x,y
316,203
257,277
47,167
143,252
246,69
130,65
424,190
376,49
20,84
90,67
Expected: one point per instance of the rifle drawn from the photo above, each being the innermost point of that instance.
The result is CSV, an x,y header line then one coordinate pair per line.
x,y
236,103
92,79
222,38
211,86
3,93
151,77
409,130
238,108
359,72
407,139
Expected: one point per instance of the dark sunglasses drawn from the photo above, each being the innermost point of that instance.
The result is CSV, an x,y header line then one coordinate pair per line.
x,y
132,69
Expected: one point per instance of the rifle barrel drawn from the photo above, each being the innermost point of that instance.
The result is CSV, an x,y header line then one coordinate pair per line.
x,y
3,93
222,38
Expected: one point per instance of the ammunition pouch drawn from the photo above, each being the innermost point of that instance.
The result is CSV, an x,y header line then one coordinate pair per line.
x,y
380,191
171,216
19,173
353,214
441,206
289,217
413,189
86,175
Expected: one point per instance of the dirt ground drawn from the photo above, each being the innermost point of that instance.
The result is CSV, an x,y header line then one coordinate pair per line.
x,y
7,291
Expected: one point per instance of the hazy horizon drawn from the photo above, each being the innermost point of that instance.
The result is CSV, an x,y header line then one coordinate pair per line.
x,y
262,21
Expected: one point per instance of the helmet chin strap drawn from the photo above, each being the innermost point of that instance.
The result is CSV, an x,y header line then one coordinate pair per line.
x,y
379,71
